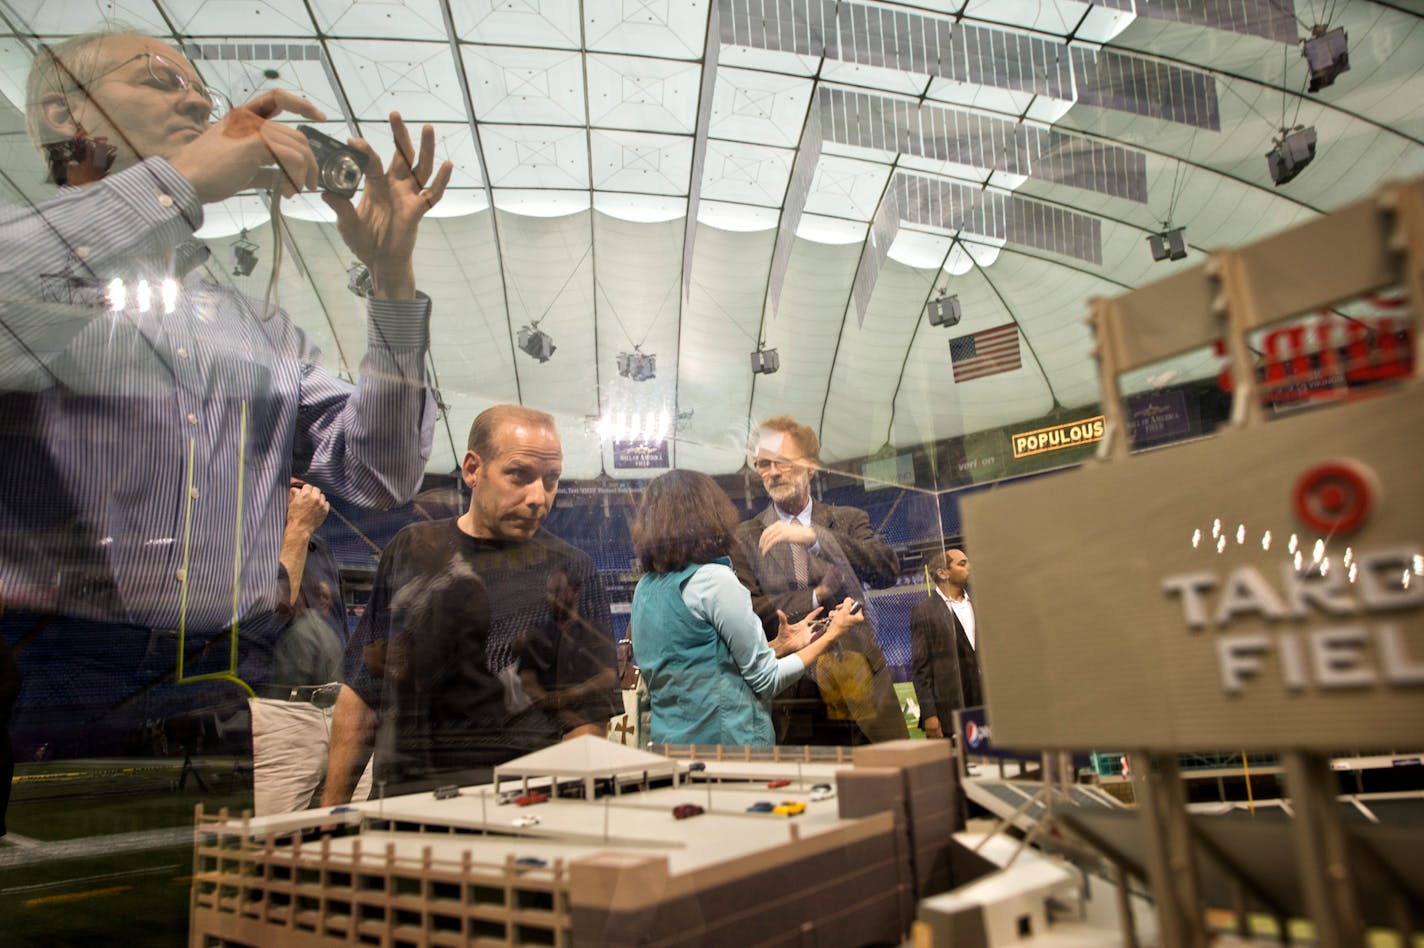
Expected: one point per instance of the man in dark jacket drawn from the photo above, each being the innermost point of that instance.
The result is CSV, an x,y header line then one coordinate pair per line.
x,y
943,635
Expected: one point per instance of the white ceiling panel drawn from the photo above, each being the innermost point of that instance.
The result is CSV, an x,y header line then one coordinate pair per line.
x,y
520,156
845,187
676,29
634,161
366,19
417,80
525,86
1058,18
633,92
545,23
747,174
233,18
759,107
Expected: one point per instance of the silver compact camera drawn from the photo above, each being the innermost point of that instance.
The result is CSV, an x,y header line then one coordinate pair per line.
x,y
339,166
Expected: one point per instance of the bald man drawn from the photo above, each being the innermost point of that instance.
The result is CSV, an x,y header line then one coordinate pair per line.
x,y
943,637
432,674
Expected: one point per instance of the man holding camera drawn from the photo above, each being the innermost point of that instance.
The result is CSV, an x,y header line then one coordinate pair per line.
x,y
153,416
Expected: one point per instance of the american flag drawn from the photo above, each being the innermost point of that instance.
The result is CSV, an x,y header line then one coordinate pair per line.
x,y
987,352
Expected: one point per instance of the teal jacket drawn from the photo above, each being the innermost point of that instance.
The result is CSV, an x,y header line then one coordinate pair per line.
x,y
709,670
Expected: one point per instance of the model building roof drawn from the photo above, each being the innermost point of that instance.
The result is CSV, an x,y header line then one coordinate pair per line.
x,y
586,756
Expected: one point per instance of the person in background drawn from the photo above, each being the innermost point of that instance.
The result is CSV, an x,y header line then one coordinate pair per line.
x,y
431,675
943,637
291,714
710,671
797,556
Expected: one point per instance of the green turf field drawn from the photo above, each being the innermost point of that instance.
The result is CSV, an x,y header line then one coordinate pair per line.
x,y
112,857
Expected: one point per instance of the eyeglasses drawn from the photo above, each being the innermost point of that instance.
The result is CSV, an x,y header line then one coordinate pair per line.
x,y
765,464
167,76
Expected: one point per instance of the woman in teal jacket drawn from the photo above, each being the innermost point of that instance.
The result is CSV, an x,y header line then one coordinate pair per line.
x,y
710,671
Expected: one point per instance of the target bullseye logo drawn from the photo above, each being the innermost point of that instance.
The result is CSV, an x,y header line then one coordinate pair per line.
x,y
1335,498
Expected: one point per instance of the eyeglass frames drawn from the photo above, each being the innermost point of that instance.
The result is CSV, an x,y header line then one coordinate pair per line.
x,y
167,76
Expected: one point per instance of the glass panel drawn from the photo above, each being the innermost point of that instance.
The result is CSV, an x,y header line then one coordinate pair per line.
x,y
170,358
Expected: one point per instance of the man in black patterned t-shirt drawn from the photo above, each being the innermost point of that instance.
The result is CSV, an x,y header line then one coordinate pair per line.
x,y
431,671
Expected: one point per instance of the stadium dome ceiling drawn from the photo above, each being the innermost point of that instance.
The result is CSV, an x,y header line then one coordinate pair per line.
x,y
690,178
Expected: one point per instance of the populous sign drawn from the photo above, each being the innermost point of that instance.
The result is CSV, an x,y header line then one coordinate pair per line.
x,y
1070,434
1260,589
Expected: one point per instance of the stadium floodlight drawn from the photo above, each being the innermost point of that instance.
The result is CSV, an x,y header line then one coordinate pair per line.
x,y
244,255
765,361
536,343
945,311
1327,54
1170,244
637,365
1293,151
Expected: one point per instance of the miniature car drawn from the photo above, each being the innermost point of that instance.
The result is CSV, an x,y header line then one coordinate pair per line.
x,y
790,808
342,809
778,782
529,799
696,767
531,862
446,792
761,806
506,797
683,810
822,791
527,820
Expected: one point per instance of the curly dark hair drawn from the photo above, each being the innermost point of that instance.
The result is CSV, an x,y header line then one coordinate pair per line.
x,y
683,518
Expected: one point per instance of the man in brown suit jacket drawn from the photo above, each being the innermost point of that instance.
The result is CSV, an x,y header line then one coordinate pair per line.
x,y
797,556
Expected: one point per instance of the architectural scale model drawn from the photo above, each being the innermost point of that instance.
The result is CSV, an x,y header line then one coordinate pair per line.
x,y
607,861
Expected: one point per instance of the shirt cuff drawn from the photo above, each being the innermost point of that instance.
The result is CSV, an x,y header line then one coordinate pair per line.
x,y
399,324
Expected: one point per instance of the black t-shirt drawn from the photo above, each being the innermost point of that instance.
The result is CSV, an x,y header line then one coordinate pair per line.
x,y
435,652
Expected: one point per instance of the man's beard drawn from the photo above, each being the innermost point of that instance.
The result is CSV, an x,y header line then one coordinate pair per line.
x,y
784,494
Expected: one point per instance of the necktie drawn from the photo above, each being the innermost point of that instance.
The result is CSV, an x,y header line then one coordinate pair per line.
x,y
800,566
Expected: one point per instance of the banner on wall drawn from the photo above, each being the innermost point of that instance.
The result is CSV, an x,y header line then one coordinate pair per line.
x,y
1159,416
638,455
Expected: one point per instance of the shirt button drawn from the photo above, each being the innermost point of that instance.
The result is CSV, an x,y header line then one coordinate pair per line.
x,y
193,493
180,574
181,353
192,418
82,253
165,200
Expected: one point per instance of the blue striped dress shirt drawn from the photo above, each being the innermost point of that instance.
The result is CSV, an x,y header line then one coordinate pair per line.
x,y
144,455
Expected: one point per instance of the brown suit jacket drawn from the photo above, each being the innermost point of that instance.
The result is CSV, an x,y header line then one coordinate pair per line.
x,y
849,544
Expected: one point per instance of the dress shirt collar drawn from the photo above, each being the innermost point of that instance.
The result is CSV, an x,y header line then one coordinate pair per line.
x,y
948,601
803,517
